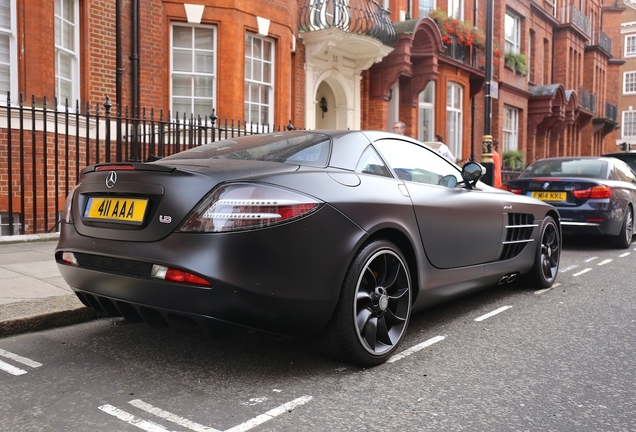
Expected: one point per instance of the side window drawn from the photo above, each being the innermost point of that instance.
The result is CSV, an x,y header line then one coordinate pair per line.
x,y
625,173
412,162
371,163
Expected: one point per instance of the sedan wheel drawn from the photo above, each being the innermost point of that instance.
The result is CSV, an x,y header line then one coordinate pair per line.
x,y
547,255
374,307
624,238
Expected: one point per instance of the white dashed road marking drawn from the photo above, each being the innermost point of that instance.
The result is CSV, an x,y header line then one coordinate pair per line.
x,y
623,255
11,369
607,261
415,349
495,312
131,419
582,272
567,269
170,417
17,358
150,426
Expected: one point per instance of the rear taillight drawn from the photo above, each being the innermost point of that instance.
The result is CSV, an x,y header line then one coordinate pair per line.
x,y
246,206
67,213
176,275
511,189
596,192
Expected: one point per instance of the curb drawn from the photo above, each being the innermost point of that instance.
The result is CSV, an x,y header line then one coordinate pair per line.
x,y
44,314
29,238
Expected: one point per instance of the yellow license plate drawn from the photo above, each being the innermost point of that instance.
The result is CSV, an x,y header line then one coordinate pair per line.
x,y
549,196
116,209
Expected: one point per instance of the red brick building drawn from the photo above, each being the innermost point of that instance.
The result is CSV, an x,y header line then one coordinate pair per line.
x,y
332,64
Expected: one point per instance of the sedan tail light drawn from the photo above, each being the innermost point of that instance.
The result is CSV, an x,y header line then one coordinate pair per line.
x,y
596,192
246,206
517,191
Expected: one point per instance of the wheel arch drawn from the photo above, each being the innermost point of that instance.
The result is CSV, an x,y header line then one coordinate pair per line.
x,y
407,248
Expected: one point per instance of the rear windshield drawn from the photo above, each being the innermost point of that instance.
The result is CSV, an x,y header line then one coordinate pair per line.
x,y
298,148
594,168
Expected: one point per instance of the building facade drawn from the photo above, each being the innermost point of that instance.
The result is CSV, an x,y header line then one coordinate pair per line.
x,y
627,101
332,64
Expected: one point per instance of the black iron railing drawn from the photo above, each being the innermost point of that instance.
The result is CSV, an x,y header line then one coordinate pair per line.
x,y
573,15
361,17
611,112
587,100
43,151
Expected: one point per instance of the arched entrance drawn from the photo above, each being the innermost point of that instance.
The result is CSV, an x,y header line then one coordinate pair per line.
x,y
341,101
332,106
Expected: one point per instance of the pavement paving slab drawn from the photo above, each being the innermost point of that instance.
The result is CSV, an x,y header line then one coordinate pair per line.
x,y
33,294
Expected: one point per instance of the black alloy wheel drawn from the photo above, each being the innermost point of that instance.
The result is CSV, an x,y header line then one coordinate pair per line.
x,y
624,238
374,308
548,254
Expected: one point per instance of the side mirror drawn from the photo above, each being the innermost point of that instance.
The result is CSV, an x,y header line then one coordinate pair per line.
x,y
472,172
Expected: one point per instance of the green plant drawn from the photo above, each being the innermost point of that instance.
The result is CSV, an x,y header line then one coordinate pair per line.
x,y
461,32
513,160
517,62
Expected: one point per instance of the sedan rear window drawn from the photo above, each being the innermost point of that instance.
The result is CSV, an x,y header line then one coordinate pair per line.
x,y
298,148
593,168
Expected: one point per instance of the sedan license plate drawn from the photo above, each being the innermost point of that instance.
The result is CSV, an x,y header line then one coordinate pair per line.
x,y
130,210
549,196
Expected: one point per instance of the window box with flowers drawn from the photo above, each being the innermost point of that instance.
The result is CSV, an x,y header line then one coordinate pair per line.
x,y
462,34
517,62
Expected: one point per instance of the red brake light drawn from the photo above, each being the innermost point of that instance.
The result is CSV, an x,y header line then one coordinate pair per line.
x,y
176,275
596,192
510,189
122,167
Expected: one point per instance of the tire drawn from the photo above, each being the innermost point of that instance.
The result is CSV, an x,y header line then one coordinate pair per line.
x,y
374,307
547,255
624,238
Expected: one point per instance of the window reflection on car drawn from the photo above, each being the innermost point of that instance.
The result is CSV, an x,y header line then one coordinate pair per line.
x,y
412,162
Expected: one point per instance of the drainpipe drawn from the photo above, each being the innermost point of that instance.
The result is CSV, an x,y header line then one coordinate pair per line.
x,y
472,100
118,74
134,58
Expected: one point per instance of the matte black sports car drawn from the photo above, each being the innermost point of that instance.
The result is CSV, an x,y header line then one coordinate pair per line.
x,y
337,234
594,195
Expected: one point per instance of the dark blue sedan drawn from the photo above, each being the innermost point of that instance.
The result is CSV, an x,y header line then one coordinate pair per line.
x,y
594,195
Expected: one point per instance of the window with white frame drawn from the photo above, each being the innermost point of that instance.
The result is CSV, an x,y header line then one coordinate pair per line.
x,y
630,45
425,7
259,79
629,82
512,33
193,70
67,51
628,127
454,95
426,108
510,129
8,62
456,9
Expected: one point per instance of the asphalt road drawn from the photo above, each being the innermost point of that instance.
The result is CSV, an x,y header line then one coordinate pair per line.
x,y
506,359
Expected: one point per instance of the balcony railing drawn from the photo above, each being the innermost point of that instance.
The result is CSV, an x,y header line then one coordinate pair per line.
x,y
573,15
611,111
603,41
587,100
361,17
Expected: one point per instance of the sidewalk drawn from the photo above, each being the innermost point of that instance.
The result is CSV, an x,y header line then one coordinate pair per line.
x,y
33,295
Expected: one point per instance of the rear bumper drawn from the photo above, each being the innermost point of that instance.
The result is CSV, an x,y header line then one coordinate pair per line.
x,y
285,280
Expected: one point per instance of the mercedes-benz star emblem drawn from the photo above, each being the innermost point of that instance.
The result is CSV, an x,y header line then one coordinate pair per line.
x,y
111,179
